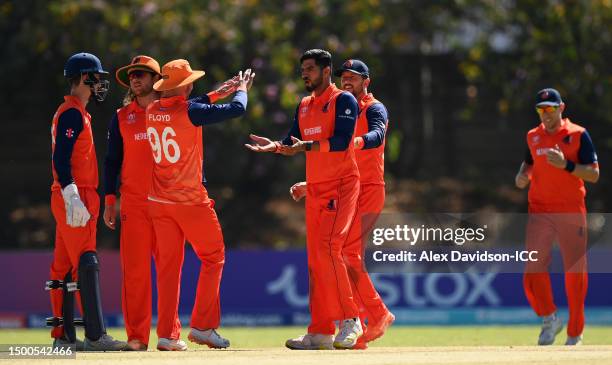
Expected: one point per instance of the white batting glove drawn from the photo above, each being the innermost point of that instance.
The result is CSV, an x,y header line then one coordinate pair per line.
x,y
77,214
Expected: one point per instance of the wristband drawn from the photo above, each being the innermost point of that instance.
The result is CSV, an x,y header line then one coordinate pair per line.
x,y
308,146
570,166
110,199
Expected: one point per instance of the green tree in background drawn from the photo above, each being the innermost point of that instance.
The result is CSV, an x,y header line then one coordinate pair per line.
x,y
458,78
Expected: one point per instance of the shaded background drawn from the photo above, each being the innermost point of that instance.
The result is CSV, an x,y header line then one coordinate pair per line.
x,y
458,78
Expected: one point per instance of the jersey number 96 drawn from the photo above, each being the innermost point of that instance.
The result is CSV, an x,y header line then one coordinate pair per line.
x,y
163,145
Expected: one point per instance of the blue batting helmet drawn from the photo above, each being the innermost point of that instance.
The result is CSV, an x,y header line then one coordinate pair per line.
x,y
81,63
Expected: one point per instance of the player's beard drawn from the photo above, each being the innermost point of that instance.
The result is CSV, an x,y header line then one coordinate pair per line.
x,y
314,84
356,90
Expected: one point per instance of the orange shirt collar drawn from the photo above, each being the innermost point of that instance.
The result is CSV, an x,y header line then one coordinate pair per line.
x,y
326,94
75,100
565,122
365,98
135,107
167,102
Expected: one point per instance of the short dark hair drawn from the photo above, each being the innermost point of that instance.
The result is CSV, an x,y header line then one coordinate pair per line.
x,y
322,57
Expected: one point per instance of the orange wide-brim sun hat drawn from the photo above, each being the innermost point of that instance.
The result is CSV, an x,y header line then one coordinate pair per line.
x,y
175,74
143,63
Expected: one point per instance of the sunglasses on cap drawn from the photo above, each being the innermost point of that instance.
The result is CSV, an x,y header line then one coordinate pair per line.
x,y
546,109
136,74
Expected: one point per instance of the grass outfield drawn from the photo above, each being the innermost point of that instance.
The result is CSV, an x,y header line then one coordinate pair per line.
x,y
397,336
401,345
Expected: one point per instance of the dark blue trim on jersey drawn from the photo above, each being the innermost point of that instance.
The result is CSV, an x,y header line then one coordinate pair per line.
x,y
202,113
114,157
69,126
528,157
294,131
586,153
376,116
347,110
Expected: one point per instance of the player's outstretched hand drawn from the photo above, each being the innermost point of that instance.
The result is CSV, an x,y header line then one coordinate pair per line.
x,y
245,80
261,144
298,191
110,216
250,82
227,88
297,146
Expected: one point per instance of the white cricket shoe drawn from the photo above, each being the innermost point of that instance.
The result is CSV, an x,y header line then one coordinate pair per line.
x,y
167,344
574,341
350,331
551,326
210,338
311,341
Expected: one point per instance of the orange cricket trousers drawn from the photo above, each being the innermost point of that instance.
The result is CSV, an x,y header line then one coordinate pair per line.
x,y
569,229
330,208
70,244
371,202
137,243
173,223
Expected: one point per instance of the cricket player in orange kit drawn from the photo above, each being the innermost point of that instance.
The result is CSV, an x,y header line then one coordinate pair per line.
x,y
75,204
129,160
179,205
560,157
326,121
369,144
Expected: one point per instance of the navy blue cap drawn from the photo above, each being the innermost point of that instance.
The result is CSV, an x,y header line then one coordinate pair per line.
x,y
548,97
356,66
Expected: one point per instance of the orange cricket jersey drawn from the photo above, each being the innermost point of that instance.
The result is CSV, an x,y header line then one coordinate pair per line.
x,y
317,122
83,162
371,162
137,165
552,187
177,153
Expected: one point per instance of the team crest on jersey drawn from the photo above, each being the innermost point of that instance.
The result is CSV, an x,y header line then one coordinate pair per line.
x,y
535,139
69,133
131,118
304,110
347,111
